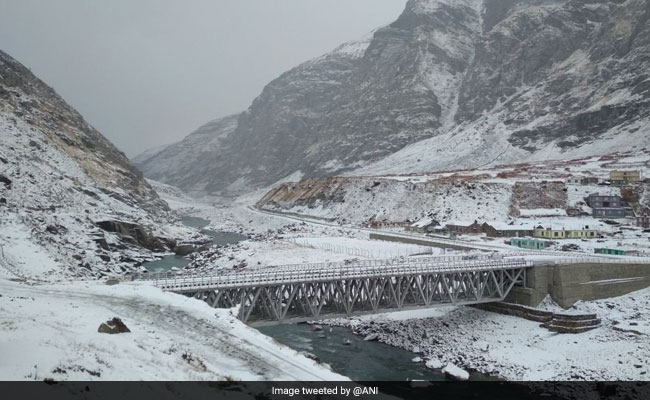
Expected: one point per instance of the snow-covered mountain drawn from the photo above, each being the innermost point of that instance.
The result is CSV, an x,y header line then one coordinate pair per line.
x,y
70,202
450,84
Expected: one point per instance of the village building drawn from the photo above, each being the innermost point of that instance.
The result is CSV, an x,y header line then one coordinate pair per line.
x,y
533,244
582,180
550,233
425,225
609,212
372,223
500,229
596,200
493,229
606,206
624,177
615,252
460,228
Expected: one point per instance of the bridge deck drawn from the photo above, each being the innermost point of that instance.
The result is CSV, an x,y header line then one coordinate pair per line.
x,y
327,272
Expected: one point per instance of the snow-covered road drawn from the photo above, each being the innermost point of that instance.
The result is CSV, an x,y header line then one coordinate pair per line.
x,y
51,331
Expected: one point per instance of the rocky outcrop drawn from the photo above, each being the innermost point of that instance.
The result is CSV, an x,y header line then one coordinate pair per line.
x,y
455,372
5,181
132,233
537,195
136,234
449,84
183,249
384,200
113,326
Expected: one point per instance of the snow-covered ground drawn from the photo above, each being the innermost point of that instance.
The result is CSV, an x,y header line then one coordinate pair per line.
x,y
278,239
466,194
50,331
173,337
364,247
505,346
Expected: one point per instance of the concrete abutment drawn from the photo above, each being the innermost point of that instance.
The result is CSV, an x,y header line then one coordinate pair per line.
x,y
585,281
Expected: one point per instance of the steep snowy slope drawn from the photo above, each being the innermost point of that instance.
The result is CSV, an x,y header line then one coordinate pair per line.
x,y
449,84
70,202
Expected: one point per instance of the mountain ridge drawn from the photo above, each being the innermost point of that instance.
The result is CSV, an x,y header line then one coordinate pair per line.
x,y
467,83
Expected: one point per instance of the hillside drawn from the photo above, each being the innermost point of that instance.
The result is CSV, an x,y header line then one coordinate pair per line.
x,y
70,202
448,85
501,194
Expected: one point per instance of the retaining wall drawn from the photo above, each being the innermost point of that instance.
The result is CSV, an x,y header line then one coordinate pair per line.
x,y
587,281
419,242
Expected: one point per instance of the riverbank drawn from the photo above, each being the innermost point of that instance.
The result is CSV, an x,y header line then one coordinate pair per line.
x,y
520,350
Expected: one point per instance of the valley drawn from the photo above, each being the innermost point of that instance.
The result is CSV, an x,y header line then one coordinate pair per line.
x,y
461,194
288,227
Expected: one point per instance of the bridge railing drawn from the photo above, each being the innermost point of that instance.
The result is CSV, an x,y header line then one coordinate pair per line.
x,y
569,254
324,265
442,263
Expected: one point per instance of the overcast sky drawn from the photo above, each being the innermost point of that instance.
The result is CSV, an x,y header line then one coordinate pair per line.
x,y
148,72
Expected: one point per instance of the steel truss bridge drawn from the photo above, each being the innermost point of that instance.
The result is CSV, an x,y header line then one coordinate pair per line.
x,y
312,291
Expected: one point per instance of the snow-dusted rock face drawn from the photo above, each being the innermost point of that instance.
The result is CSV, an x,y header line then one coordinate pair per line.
x,y
66,180
192,163
449,84
25,98
384,200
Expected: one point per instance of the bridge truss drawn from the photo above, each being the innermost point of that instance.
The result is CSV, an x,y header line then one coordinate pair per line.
x,y
291,293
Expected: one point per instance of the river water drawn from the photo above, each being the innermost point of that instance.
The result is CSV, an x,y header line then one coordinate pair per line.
x,y
359,360
220,238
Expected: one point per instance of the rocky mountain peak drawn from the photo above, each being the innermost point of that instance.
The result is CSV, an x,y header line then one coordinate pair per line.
x,y
450,83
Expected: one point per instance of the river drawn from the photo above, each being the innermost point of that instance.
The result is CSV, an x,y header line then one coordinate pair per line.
x,y
170,261
360,360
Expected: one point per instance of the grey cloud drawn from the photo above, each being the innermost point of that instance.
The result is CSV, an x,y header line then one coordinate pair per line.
x,y
148,72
